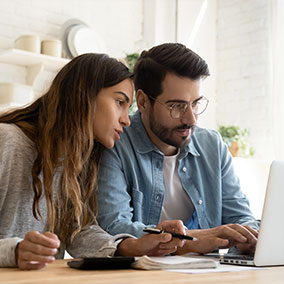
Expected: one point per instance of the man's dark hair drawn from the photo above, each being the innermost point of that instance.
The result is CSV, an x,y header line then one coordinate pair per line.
x,y
153,65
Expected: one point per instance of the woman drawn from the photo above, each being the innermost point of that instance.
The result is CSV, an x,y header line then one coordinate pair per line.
x,y
50,153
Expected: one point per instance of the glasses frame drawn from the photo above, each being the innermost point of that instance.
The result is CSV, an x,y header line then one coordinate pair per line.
x,y
171,108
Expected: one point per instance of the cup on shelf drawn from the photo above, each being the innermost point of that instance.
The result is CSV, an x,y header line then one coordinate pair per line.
x,y
29,43
52,47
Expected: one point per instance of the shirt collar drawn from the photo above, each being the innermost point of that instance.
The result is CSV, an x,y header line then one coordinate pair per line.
x,y
142,142
144,145
189,149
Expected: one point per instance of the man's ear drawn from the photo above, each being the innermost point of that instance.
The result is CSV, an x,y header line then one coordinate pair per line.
x,y
141,100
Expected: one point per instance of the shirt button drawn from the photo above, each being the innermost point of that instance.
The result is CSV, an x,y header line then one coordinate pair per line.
x,y
184,169
158,196
199,201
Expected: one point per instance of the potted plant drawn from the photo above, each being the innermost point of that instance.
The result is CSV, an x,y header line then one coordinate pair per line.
x,y
236,139
130,61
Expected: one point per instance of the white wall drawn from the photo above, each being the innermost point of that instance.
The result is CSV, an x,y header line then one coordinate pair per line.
x,y
159,22
243,95
197,30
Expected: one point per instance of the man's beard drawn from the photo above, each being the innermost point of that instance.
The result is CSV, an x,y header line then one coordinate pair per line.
x,y
164,133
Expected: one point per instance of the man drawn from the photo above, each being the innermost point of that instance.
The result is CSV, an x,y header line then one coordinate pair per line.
x,y
165,167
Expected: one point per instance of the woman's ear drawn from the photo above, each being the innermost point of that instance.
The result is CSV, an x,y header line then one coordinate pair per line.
x,y
141,100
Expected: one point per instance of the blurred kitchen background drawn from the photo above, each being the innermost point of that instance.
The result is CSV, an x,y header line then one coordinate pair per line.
x,y
241,40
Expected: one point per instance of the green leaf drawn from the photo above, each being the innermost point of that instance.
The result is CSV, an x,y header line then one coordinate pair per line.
x,y
233,133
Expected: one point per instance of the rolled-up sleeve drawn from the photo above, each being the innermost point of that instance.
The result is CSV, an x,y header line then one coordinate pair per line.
x,y
7,252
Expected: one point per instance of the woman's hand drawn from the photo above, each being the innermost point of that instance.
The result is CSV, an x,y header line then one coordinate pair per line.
x,y
36,250
152,244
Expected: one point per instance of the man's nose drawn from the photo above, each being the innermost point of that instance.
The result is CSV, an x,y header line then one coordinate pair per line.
x,y
189,117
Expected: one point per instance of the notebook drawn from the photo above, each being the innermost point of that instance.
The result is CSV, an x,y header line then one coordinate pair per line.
x,y
143,262
173,262
270,245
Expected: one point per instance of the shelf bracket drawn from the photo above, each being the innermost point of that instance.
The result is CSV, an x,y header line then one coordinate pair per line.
x,y
32,72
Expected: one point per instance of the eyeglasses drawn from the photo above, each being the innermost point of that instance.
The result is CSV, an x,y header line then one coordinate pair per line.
x,y
178,109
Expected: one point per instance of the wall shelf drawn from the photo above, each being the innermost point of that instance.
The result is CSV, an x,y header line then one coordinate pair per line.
x,y
35,63
26,58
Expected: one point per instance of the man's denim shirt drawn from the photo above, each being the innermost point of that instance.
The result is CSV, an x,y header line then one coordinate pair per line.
x,y
131,186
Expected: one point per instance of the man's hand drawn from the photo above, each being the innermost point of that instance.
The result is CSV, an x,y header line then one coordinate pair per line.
x,y
36,250
225,236
152,244
249,247
172,226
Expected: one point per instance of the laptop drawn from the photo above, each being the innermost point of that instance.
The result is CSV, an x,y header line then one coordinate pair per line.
x,y
270,244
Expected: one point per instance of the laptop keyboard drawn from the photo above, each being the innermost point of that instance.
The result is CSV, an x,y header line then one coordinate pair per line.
x,y
238,257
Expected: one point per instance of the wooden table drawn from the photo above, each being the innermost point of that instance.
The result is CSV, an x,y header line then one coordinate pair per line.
x,y
59,272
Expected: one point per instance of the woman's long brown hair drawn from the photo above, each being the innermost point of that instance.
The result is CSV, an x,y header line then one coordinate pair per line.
x,y
60,123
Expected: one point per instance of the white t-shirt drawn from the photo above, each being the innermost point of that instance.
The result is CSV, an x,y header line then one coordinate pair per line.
x,y
177,204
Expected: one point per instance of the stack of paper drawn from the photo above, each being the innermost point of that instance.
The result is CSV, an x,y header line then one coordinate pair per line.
x,y
172,262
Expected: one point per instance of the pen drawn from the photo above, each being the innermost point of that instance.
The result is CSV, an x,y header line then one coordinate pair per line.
x,y
175,235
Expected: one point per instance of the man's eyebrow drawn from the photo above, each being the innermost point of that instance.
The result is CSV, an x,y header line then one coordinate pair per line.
x,y
182,101
176,101
126,97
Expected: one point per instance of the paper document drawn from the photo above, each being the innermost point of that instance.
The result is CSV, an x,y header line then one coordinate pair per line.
x,y
173,262
220,268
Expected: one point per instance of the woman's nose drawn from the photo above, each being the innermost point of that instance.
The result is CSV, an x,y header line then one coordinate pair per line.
x,y
125,121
